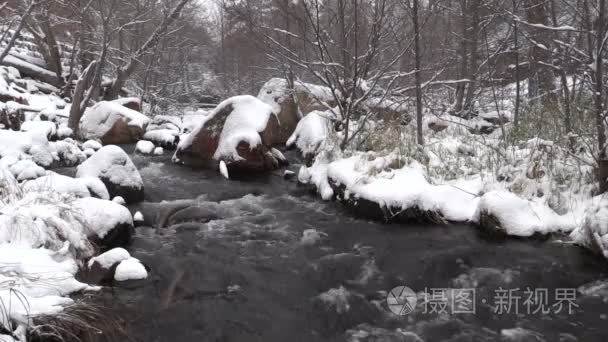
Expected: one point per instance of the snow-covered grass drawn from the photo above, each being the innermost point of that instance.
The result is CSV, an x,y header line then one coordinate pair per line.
x,y
529,182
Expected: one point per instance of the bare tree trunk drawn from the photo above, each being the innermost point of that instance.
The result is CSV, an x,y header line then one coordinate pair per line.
x,y
17,32
124,72
542,77
600,115
517,76
78,105
419,136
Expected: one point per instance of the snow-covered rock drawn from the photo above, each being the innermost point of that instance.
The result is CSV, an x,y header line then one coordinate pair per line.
x,y
116,170
108,222
92,144
138,217
101,269
48,128
159,151
165,122
112,123
191,121
593,233
133,103
308,97
77,187
166,138
130,269
238,131
310,133
119,200
503,213
144,147
26,169
27,145
110,258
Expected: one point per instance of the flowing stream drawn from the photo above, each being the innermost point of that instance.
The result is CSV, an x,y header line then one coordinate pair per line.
x,y
263,260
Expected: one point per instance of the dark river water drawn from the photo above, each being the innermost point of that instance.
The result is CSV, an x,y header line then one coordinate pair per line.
x,y
228,262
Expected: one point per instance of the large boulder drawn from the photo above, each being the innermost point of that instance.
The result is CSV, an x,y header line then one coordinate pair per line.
x,y
238,131
112,123
116,170
291,105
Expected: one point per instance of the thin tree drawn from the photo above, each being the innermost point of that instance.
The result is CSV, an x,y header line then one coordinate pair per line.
x,y
417,57
17,32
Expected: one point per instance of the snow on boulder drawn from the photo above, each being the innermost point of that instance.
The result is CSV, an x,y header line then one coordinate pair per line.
x,y
130,269
159,151
92,144
112,123
48,128
310,133
101,268
77,187
24,169
110,258
133,103
116,170
166,138
27,145
291,105
109,224
593,234
191,120
64,132
238,131
503,213
144,147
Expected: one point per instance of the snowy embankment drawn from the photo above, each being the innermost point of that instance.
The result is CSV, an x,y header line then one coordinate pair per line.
x,y
534,188
51,224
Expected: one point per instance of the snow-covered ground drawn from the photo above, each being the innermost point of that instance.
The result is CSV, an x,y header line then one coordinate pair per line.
x,y
522,189
51,223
